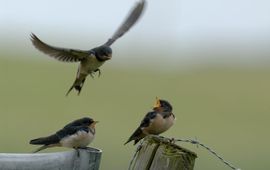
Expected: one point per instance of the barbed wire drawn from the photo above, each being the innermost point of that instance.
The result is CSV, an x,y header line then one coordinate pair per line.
x,y
192,141
196,142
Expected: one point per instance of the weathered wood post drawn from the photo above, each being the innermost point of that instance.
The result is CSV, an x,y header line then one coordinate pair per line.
x,y
158,153
83,159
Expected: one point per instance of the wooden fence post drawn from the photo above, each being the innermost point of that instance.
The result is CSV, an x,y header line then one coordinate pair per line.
x,y
83,159
158,153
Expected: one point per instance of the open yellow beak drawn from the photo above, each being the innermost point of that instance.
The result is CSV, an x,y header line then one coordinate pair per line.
x,y
94,123
157,103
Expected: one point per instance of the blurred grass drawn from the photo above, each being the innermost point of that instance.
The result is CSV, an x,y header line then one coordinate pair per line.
x,y
225,108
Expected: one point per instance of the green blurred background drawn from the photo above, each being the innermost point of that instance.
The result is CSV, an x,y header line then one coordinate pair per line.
x,y
227,109
211,61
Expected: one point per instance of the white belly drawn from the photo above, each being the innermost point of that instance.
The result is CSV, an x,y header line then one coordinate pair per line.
x,y
79,139
159,125
89,65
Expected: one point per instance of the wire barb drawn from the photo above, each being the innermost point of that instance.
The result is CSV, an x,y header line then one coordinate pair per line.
x,y
192,141
196,142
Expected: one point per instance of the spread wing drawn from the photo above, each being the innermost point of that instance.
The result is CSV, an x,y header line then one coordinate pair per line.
x,y
61,54
128,23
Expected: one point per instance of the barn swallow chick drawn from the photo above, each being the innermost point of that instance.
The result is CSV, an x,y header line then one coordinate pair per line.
x,y
77,134
155,122
90,60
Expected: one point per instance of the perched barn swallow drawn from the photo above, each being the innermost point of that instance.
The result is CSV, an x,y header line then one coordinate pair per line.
x,y
90,60
77,134
155,122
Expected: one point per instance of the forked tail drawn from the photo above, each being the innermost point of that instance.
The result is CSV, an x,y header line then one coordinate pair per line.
x,y
41,148
78,84
46,142
136,136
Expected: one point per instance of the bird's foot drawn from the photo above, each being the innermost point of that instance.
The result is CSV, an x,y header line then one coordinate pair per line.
x,y
92,75
99,72
172,141
83,147
162,137
139,147
78,151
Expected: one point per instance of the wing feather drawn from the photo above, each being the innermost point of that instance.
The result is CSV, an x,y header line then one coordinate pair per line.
x,y
132,18
61,54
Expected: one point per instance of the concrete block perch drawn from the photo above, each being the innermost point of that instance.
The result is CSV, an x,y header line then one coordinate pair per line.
x,y
158,153
86,159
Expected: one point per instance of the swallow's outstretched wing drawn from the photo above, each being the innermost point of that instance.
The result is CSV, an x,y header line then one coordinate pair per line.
x,y
61,54
134,15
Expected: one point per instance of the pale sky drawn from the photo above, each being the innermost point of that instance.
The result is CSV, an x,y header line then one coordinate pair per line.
x,y
187,22
180,16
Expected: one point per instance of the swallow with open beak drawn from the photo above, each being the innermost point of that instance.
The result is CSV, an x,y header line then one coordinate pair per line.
x,y
77,134
155,122
90,60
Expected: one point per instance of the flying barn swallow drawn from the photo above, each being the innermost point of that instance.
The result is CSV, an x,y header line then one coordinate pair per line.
x,y
155,122
77,134
90,60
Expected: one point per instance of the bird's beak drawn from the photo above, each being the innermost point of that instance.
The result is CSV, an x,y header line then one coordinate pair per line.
x,y
109,56
94,124
157,103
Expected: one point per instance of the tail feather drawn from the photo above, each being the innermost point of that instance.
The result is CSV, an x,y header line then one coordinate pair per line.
x,y
46,146
70,90
78,84
47,142
136,136
53,139
41,148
